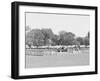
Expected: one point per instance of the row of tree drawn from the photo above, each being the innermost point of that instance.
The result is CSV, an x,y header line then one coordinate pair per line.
x,y
44,37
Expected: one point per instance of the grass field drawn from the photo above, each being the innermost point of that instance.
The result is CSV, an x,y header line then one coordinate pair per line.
x,y
36,58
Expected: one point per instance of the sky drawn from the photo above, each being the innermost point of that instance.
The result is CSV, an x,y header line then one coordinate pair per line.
x,y
77,24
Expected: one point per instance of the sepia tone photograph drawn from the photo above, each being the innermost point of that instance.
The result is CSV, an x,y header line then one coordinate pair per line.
x,y
56,39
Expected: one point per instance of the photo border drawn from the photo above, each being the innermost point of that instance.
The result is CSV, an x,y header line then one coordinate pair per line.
x,y
15,39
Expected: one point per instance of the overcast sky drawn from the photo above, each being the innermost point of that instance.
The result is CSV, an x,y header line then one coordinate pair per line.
x,y
78,24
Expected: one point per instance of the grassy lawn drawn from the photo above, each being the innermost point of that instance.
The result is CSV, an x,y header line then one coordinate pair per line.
x,y
36,58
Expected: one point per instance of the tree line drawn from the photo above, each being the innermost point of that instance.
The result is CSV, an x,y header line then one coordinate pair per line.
x,y
46,37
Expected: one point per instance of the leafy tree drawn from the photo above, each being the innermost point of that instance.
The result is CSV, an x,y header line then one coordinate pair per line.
x,y
80,40
88,35
76,43
56,40
66,38
29,42
35,37
87,39
48,35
